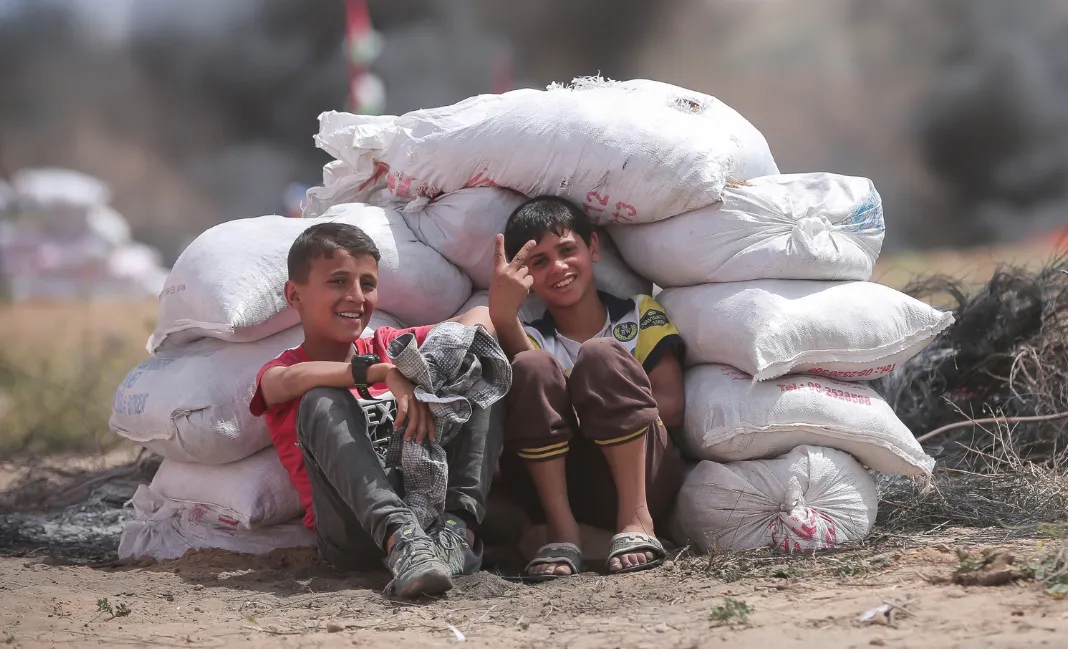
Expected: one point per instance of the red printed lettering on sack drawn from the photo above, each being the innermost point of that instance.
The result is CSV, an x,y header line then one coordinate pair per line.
x,y
831,535
592,199
380,170
847,374
829,392
622,207
196,514
479,180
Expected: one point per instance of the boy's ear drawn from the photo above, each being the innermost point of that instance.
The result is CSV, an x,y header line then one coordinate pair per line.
x,y
292,296
595,247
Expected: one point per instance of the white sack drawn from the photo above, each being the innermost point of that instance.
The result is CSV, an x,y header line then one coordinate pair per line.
x,y
533,309
798,226
463,227
628,153
166,529
730,417
191,403
855,331
810,499
228,284
257,489
757,160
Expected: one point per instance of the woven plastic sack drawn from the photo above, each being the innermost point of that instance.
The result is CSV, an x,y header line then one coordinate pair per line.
x,y
852,331
190,403
729,417
809,499
166,529
629,152
801,226
257,489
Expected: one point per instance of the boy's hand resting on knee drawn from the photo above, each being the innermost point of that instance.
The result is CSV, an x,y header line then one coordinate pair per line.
x,y
410,409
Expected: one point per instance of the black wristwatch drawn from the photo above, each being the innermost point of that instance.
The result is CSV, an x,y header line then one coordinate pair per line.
x,y
360,364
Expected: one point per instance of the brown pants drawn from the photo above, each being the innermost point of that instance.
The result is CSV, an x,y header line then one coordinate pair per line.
x,y
609,392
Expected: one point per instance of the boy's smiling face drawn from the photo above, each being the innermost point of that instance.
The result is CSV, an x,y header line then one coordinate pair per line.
x,y
562,268
339,297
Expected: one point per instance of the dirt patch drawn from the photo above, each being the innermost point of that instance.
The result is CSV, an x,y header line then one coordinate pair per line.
x,y
290,599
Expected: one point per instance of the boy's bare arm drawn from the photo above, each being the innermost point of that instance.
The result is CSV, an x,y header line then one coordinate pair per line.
x,y
479,315
512,337
281,384
669,390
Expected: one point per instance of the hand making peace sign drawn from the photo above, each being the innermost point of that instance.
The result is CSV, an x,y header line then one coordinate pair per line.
x,y
511,280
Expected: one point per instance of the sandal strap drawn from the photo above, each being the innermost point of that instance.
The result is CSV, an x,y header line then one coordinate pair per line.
x,y
630,542
568,553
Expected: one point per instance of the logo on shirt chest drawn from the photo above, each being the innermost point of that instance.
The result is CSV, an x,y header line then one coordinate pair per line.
x,y
625,332
654,318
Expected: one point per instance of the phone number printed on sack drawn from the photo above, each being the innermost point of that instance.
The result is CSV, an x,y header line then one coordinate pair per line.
x,y
853,374
829,392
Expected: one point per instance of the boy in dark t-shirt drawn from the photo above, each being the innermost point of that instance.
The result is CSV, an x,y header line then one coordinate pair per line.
x,y
306,394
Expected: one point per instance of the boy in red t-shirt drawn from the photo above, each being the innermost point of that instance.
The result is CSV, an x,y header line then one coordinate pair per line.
x,y
352,502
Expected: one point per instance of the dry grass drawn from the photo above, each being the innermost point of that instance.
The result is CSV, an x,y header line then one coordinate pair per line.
x,y
59,369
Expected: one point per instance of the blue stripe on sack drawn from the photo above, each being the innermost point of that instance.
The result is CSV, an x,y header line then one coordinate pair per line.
x,y
867,216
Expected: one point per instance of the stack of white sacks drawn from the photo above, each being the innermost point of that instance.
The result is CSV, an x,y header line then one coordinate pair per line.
x,y
61,240
765,279
769,290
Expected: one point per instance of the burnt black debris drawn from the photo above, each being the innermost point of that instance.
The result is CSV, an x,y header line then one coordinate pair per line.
x,y
1006,355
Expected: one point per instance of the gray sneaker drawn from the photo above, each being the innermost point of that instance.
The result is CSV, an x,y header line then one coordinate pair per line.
x,y
416,568
450,539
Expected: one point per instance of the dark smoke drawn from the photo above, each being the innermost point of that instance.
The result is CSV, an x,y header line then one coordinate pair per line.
x,y
995,129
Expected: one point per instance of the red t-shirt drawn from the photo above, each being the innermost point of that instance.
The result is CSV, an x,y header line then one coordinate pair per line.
x,y
282,417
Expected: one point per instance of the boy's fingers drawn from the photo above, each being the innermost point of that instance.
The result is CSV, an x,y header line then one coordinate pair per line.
x,y
527,282
425,422
412,431
402,412
521,256
500,258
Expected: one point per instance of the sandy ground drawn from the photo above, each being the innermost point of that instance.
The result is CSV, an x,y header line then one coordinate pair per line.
x,y
289,599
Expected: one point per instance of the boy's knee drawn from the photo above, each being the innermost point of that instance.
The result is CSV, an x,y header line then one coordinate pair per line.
x,y
597,351
316,405
536,364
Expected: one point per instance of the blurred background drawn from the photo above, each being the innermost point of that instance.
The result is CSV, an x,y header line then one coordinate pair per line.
x,y
192,113
200,111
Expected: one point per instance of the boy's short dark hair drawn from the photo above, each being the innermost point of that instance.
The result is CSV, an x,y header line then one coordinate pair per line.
x,y
542,214
321,240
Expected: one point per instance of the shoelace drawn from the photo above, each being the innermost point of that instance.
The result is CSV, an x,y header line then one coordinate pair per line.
x,y
453,548
419,549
